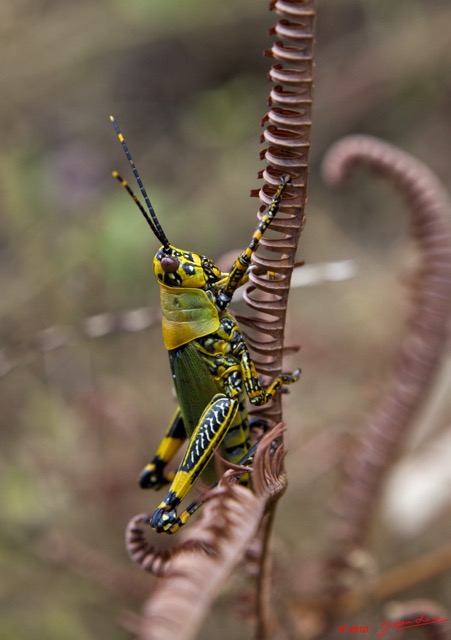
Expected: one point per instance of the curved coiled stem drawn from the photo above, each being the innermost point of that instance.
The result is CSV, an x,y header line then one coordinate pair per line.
x,y
420,353
149,558
196,568
287,128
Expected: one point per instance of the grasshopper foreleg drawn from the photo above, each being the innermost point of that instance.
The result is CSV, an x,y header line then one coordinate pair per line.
x,y
237,275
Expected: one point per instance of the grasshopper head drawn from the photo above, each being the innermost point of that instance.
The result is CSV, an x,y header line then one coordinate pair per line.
x,y
178,268
172,267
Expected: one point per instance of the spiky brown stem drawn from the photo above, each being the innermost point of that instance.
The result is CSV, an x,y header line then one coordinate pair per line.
x,y
287,134
287,128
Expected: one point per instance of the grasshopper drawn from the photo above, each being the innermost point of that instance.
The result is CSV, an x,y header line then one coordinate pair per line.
x,y
211,366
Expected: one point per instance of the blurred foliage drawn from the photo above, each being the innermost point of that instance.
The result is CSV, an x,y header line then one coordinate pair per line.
x,y
186,81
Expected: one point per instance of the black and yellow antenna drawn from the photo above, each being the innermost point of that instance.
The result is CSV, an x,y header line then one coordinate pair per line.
x,y
152,220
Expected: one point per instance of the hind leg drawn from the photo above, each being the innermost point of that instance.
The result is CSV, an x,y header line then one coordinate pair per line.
x,y
207,436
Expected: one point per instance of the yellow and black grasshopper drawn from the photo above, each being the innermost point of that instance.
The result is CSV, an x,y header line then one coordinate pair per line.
x,y
210,361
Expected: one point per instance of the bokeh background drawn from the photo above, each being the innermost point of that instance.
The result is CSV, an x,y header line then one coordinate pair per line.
x,y
81,414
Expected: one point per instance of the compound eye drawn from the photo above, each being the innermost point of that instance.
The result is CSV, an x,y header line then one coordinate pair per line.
x,y
169,264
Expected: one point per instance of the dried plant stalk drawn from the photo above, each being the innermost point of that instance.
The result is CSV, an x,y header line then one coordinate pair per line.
x,y
420,353
287,134
196,570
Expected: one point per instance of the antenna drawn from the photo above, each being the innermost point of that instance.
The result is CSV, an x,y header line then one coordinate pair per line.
x,y
152,219
126,186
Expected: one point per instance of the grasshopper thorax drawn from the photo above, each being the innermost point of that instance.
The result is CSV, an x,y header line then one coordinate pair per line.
x,y
178,268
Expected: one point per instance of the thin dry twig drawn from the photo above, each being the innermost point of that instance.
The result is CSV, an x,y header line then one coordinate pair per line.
x,y
419,355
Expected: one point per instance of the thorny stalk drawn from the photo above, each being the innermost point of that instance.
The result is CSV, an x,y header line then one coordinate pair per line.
x,y
417,359
287,128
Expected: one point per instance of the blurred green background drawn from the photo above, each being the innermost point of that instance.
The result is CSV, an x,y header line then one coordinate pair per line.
x,y
187,83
